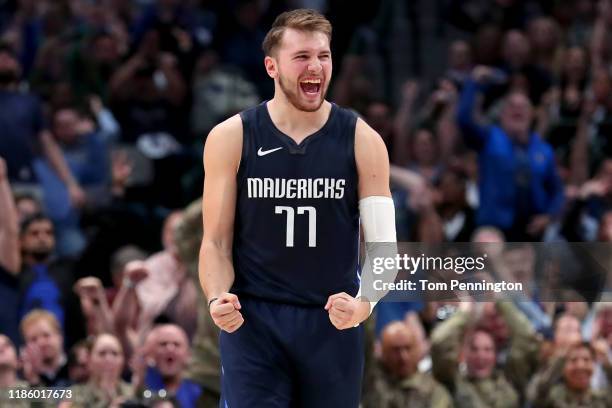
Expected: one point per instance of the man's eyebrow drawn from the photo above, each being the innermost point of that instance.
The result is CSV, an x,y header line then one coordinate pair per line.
x,y
306,51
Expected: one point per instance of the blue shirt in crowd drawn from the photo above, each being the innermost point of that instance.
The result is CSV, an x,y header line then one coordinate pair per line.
x,y
516,181
187,394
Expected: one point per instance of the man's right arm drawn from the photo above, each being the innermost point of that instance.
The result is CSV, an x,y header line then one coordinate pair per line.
x,y
10,256
474,133
222,155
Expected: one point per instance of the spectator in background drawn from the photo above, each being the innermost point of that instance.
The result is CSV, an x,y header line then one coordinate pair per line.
x,y
380,118
205,366
180,26
219,91
24,134
458,218
567,382
154,287
395,381
460,62
46,281
92,64
523,75
44,361
168,349
147,92
541,354
9,365
471,334
167,290
87,154
601,51
105,387
487,45
78,362
25,32
27,205
425,154
545,38
512,156
586,214
591,145
439,114
562,105
241,46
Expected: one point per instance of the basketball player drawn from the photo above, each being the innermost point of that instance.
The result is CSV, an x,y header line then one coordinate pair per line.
x,y
286,185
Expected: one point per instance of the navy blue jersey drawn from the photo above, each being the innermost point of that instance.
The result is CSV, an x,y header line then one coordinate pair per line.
x,y
296,235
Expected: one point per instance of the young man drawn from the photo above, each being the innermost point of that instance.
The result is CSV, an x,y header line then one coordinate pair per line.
x,y
286,185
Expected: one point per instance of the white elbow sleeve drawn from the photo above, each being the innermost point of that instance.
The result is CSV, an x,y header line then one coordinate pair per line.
x,y
377,215
378,219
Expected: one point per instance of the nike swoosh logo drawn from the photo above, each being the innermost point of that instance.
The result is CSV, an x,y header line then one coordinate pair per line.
x,y
264,152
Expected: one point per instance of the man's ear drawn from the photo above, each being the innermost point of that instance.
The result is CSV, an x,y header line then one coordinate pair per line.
x,y
271,66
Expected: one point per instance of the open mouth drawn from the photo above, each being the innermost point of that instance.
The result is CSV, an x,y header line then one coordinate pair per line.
x,y
311,86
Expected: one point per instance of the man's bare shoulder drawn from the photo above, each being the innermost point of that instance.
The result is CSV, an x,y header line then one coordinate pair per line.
x,y
229,131
368,143
224,142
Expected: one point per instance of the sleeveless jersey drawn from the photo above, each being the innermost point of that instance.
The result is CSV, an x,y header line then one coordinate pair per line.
x,y
296,230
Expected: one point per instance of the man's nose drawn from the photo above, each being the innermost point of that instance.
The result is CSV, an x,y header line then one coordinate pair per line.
x,y
314,66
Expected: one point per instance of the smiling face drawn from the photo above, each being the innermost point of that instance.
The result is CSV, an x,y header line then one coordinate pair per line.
x,y
301,66
578,369
480,355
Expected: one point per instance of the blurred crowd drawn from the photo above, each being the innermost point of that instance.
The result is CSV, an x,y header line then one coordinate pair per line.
x,y
104,109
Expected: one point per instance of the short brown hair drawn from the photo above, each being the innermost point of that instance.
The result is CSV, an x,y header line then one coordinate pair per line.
x,y
35,316
299,19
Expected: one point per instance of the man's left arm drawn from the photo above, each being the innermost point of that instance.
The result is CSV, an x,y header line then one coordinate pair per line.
x,y
55,157
377,215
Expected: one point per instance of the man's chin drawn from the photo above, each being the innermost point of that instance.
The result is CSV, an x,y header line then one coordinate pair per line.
x,y
308,106
40,256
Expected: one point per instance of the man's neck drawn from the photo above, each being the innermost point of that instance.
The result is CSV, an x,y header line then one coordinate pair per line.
x,y
8,378
293,121
173,383
520,138
30,261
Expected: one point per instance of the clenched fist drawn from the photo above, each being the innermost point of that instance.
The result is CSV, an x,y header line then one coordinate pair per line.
x,y
225,312
346,312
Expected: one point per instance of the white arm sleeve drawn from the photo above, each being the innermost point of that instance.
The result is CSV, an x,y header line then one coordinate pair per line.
x,y
377,215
